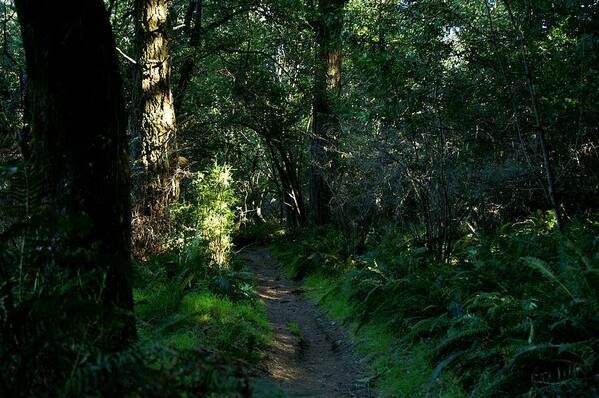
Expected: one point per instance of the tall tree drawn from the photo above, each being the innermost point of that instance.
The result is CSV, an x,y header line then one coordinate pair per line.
x,y
153,120
79,138
327,84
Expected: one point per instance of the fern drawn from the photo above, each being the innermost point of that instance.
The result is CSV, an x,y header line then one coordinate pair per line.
x,y
541,266
508,323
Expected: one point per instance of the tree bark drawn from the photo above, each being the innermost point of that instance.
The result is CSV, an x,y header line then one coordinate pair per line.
x,y
79,142
193,24
291,189
153,122
325,125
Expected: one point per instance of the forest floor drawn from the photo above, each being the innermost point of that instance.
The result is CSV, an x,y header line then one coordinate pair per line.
x,y
310,355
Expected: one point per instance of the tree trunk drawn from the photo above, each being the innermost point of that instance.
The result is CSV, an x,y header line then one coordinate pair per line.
x,y
193,24
295,196
325,126
79,142
153,122
291,192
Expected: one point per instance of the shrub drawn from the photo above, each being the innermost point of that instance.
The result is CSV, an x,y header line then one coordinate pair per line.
x,y
512,313
204,218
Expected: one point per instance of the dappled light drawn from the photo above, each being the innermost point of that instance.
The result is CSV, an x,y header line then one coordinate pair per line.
x,y
299,198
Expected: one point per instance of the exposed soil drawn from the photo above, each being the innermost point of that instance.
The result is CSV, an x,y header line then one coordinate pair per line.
x,y
315,361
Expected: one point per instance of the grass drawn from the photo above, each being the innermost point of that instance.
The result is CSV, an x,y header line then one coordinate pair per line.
x,y
176,315
240,328
206,320
398,370
294,328
187,309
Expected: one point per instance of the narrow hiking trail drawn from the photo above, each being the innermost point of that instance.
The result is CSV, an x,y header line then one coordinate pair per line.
x,y
310,356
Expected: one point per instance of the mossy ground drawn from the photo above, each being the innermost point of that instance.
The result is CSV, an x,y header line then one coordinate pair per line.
x,y
198,318
397,371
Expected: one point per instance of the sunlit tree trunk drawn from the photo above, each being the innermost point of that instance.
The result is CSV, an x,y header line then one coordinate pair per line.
x,y
79,142
325,125
153,123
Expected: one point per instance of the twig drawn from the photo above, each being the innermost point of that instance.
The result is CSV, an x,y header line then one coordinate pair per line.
x,y
128,58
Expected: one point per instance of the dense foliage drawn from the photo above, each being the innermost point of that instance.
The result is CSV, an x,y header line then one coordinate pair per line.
x,y
198,324
502,321
428,168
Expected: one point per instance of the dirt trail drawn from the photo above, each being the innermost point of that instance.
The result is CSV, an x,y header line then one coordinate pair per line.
x,y
315,361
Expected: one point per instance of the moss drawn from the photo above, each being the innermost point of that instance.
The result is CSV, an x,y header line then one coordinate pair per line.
x,y
239,327
169,315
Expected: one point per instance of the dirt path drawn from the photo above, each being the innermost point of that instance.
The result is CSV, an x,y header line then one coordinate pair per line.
x,y
310,356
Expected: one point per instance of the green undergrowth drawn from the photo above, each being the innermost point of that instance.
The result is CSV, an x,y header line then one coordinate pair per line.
x,y
513,313
262,233
184,306
397,370
57,332
198,298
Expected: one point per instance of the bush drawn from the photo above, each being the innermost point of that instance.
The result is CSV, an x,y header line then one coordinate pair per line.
x,y
204,218
183,308
258,233
512,313
311,251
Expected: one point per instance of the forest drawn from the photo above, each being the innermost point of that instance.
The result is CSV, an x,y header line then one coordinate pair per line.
x,y
299,198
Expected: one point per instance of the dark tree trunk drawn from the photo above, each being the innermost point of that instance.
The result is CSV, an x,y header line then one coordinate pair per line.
x,y
79,138
193,24
325,125
153,123
291,190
